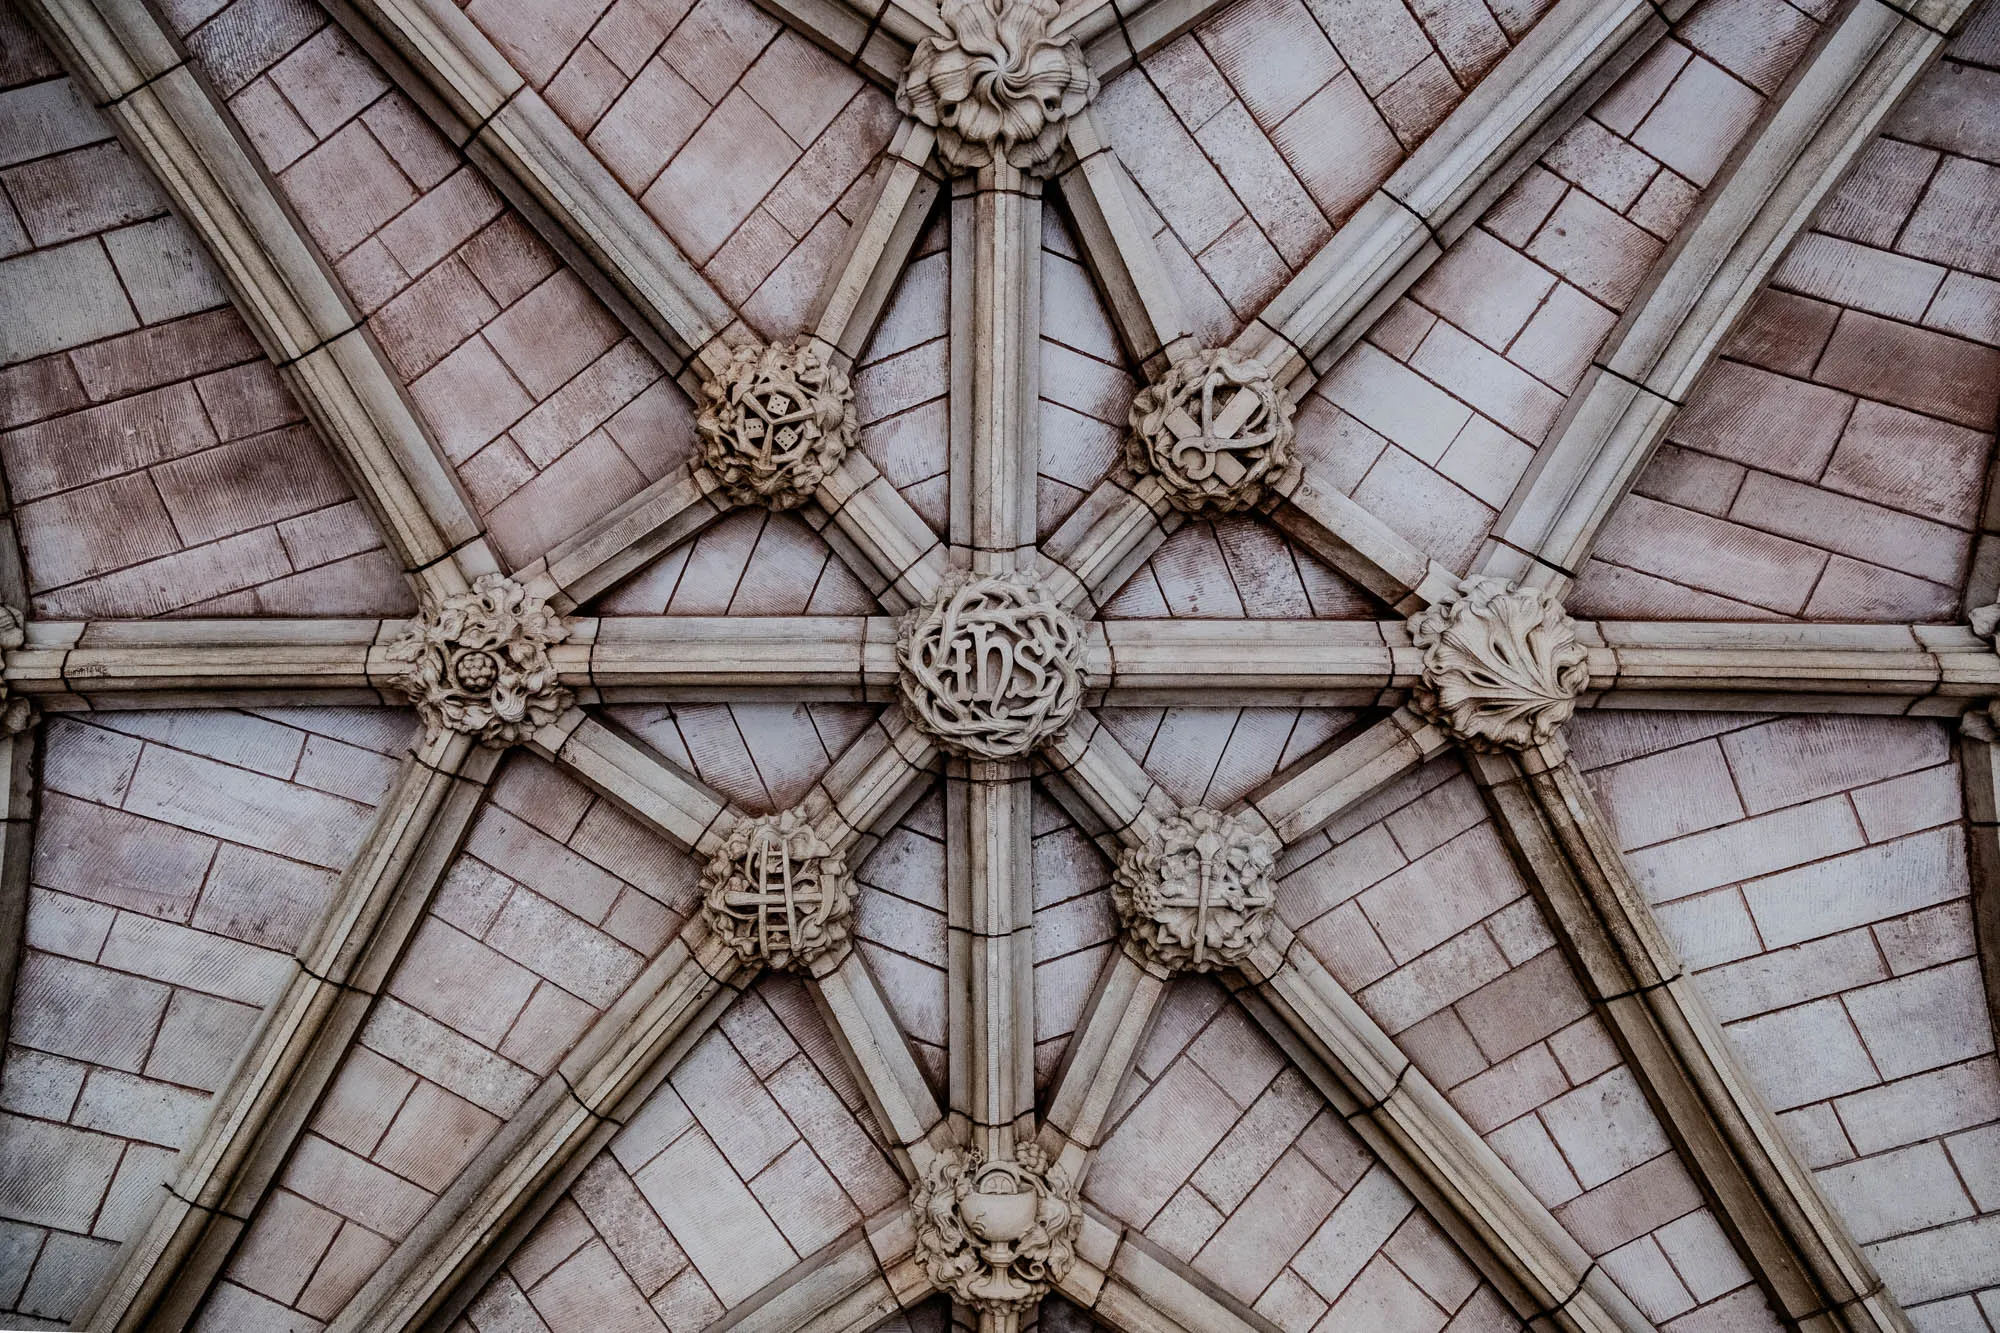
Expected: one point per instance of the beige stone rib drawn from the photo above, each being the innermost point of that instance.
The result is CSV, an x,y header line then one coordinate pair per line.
x,y
172,125
168,1265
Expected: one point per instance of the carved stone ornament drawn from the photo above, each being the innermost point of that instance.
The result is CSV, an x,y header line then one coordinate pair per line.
x,y
780,418
1984,725
479,663
999,82
991,667
1198,895
778,893
1215,432
17,714
997,1234
1502,667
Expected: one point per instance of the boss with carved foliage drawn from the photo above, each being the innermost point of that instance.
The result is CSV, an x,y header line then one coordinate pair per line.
x,y
777,421
1198,894
1502,665
999,84
778,892
991,667
1216,431
996,1234
478,662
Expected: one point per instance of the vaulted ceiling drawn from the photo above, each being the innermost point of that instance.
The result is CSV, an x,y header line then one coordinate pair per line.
x,y
1591,672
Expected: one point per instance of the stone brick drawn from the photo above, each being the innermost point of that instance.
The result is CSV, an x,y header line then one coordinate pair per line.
x,y
85,1012
1355,1231
1795,759
1924,1020
54,1175
76,296
1918,1108
1160,1143
1595,248
714,1218
1339,146
1698,121
1915,368
1804,1054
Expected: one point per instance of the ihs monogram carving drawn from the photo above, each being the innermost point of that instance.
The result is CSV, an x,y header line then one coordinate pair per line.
x,y
999,83
1502,666
778,892
991,667
1198,894
780,418
995,1234
479,663
1216,431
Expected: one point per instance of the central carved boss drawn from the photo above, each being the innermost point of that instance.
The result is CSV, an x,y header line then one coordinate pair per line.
x,y
999,82
1197,895
991,667
996,1234
1215,431
777,421
777,892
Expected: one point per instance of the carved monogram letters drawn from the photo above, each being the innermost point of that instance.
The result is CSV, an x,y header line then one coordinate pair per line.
x,y
1502,667
778,892
1198,895
992,667
1215,431
996,1234
478,662
999,83
780,418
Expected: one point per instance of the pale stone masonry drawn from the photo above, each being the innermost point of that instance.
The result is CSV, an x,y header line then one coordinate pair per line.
x,y
1188,666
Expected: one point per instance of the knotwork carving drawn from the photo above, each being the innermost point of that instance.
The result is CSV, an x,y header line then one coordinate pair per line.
x,y
780,418
991,667
1198,894
778,892
998,82
478,662
1215,432
996,1234
1502,667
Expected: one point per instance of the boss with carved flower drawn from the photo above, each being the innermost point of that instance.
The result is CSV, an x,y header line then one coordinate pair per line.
x,y
1502,665
778,419
478,662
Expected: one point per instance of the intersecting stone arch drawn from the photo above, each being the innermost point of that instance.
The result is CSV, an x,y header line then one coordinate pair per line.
x,y
1378,1104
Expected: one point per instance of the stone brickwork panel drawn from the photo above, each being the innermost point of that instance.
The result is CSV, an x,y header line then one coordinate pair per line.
x,y
157,463
1831,466
1432,421
1813,872
180,859
1237,567
763,757
549,414
1230,1160
899,926
1076,929
751,563
901,381
745,142
1086,385
1255,135
553,907
1416,908
756,1152
1217,756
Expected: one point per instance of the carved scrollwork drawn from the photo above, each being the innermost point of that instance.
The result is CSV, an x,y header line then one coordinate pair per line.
x,y
1198,894
991,667
996,1234
1216,431
778,892
998,83
478,662
1502,665
778,420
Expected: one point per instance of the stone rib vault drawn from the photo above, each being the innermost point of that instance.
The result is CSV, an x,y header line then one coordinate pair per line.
x,y
1600,935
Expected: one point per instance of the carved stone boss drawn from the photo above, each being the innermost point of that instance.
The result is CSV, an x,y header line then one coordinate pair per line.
x,y
778,420
999,85
1502,665
778,893
1198,894
478,662
1216,432
992,668
996,1234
